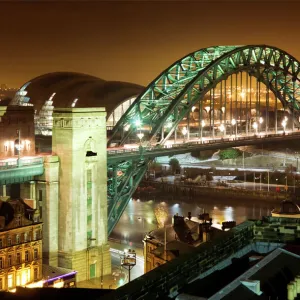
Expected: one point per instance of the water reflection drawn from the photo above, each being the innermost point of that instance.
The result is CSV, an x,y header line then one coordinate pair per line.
x,y
139,217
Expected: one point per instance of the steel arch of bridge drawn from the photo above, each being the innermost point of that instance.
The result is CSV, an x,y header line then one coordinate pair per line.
x,y
170,97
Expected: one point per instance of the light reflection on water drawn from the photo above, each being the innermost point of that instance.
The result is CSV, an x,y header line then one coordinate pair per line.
x,y
138,218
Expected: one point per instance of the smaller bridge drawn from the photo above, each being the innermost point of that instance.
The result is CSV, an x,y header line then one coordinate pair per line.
x,y
18,171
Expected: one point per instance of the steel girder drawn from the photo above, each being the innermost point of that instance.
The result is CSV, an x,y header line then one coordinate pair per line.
x,y
169,98
123,179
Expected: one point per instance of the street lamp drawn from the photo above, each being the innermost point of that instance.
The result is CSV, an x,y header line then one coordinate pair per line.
x,y
222,128
19,146
128,260
140,135
184,132
255,126
202,125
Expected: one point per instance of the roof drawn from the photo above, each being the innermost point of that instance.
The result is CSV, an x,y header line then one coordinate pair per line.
x,y
51,272
273,273
90,91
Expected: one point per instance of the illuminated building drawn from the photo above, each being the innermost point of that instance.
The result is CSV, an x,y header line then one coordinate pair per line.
x,y
74,90
12,119
182,237
20,245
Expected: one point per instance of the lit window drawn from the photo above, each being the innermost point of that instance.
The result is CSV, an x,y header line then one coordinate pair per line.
x,y
1,262
18,221
10,281
25,237
9,241
17,239
26,255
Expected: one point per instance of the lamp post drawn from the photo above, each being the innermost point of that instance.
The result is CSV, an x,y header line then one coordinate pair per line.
x,y
233,122
255,126
18,147
128,260
222,128
202,125
184,132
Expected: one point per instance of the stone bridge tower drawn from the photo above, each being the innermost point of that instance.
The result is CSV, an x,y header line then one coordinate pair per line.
x,y
79,141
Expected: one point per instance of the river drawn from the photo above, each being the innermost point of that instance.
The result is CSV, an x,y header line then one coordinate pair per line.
x,y
139,218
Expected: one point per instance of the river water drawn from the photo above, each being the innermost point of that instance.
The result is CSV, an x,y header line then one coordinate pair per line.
x,y
139,218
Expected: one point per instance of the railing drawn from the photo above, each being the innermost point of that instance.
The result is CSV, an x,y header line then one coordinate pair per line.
x,y
204,142
23,162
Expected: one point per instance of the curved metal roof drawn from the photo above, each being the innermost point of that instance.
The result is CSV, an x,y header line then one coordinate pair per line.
x,y
89,90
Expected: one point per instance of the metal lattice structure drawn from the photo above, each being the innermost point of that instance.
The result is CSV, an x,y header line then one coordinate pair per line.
x,y
170,98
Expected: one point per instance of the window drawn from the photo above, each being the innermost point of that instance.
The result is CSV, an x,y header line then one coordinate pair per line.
x,y
25,237
40,195
26,255
10,281
18,258
9,262
1,263
17,239
1,243
9,241
1,283
35,274
35,253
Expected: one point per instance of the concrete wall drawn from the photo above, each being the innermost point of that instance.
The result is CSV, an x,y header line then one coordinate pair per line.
x,y
75,132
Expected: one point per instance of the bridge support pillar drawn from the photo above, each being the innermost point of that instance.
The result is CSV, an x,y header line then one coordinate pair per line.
x,y
48,202
79,140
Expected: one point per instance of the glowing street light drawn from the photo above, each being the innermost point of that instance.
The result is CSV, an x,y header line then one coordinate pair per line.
x,y
255,126
184,131
138,123
283,123
222,127
128,260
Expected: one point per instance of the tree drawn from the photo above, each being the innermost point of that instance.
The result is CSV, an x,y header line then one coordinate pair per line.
x,y
229,153
161,215
174,164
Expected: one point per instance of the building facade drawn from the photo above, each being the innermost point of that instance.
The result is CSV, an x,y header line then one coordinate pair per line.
x,y
20,245
16,122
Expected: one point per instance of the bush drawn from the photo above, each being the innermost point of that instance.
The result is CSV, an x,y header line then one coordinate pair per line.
x,y
229,153
174,164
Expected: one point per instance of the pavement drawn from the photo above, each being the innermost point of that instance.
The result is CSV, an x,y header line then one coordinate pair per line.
x,y
120,275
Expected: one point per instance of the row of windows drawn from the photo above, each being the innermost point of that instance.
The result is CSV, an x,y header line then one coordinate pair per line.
x,y
22,278
20,238
11,261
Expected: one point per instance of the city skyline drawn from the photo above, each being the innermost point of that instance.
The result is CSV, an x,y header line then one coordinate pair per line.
x,y
132,41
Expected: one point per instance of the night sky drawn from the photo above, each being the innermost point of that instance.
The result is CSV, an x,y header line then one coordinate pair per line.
x,y
133,41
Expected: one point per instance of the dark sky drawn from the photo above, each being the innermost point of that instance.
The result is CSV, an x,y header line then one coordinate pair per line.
x,y
133,41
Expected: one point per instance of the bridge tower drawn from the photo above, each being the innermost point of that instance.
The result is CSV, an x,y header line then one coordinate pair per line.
x,y
79,140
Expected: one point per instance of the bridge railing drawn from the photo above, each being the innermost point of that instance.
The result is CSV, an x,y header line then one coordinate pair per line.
x,y
204,142
23,162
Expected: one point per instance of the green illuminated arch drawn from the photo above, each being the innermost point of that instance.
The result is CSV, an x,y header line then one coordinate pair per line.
x,y
170,97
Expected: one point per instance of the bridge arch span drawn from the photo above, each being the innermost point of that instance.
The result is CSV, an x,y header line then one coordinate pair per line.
x,y
170,97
